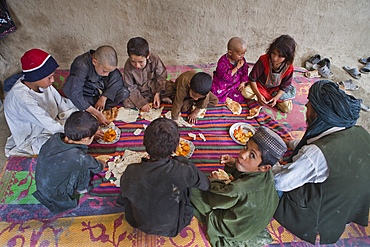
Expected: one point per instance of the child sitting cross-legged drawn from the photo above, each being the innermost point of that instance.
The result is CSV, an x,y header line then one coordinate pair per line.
x,y
237,213
190,92
270,81
145,76
94,83
231,74
155,193
63,166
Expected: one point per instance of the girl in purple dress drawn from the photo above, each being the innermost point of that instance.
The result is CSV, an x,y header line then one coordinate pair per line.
x,y
231,73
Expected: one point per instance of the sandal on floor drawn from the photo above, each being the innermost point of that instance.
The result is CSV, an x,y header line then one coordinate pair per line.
x,y
353,72
365,69
364,60
324,68
363,106
312,74
348,85
312,61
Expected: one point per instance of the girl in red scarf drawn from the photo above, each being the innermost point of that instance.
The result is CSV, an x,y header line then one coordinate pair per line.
x,y
271,77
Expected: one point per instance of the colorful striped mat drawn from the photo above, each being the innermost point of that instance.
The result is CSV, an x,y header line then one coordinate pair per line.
x,y
214,126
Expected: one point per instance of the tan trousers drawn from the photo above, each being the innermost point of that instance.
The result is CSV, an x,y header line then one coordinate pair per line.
x,y
285,106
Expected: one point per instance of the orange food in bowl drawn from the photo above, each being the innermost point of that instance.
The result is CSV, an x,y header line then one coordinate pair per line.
x,y
183,149
241,136
109,135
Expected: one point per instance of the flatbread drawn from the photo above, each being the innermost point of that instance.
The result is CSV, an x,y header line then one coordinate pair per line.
x,y
103,157
120,163
137,132
202,137
180,121
194,136
111,114
233,106
223,176
253,112
201,113
152,114
127,115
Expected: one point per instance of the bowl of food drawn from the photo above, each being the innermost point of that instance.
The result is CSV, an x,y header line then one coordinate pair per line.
x,y
185,148
111,135
241,132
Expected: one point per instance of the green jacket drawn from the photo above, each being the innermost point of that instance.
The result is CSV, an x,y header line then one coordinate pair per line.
x,y
239,211
344,197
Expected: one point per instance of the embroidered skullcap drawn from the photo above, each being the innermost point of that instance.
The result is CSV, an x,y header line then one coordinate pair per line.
x,y
37,64
270,141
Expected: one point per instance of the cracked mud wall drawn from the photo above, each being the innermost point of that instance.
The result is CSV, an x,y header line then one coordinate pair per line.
x,y
185,32
189,32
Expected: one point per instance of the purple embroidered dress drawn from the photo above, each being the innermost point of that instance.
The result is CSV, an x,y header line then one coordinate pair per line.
x,y
224,84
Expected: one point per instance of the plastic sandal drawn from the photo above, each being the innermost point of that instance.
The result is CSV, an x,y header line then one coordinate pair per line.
x,y
365,69
364,60
348,85
312,61
327,62
363,106
353,72
324,68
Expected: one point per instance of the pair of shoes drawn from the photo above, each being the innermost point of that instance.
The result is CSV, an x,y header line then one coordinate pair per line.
x,y
365,61
353,72
348,85
323,68
366,68
312,61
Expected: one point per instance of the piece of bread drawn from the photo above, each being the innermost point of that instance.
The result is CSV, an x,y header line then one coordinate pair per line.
x,y
221,174
201,113
152,114
254,112
103,157
111,114
233,106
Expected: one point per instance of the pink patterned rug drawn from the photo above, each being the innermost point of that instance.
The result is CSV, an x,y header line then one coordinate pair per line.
x,y
96,222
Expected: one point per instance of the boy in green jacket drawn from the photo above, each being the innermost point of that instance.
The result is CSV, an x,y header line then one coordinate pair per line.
x,y
237,213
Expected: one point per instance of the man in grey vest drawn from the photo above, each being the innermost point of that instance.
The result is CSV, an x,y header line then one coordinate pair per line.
x,y
326,182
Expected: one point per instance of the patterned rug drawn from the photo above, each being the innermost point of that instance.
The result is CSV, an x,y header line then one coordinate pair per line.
x,y
96,222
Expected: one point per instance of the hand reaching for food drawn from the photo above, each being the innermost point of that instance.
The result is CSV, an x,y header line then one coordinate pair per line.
x,y
156,101
146,107
99,134
100,104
